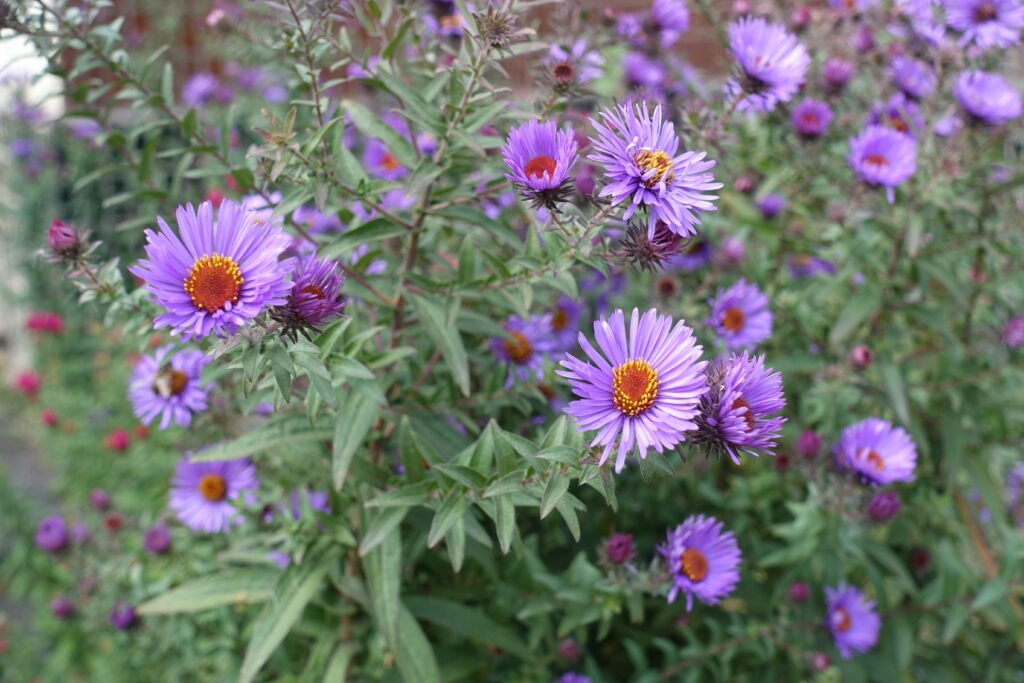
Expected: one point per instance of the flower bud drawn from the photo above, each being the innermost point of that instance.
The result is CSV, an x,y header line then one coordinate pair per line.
x,y
64,241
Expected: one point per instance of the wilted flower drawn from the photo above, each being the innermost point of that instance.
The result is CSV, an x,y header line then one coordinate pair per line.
x,y
641,389
540,158
883,156
524,348
811,119
637,151
852,619
650,252
52,534
986,23
771,64
704,560
168,386
877,451
740,316
987,98
219,274
619,548
315,297
204,494
913,77
884,505
738,412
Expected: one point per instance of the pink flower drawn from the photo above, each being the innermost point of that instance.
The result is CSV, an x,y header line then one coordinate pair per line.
x,y
48,417
45,321
28,383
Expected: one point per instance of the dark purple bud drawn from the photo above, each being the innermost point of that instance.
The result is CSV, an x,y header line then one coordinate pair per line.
x,y
920,561
801,18
569,650
837,73
746,183
733,251
157,539
799,591
771,205
863,40
808,444
861,356
123,616
62,607
113,522
63,240
52,534
618,548
884,506
99,500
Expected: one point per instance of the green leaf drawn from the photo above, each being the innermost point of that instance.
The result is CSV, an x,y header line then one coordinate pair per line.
x,y
856,311
469,622
373,230
337,666
296,588
236,586
167,85
415,658
380,528
505,522
383,570
290,431
404,496
993,592
356,415
556,487
895,388
446,337
368,124
451,510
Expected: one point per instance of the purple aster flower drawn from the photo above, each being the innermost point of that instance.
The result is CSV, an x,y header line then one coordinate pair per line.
x,y
1015,493
770,64
837,73
200,89
123,616
168,387
22,148
924,18
641,388
670,19
629,26
642,72
804,266
884,506
697,254
863,39
637,152
811,119
737,411
219,274
540,158
619,548
1013,332
987,98
704,560
986,23
62,607
852,619
914,78
899,113
883,156
316,221
740,316
317,501
83,128
52,534
381,162
575,65
852,5
524,347
573,677
315,297
203,494
771,205
157,539
565,322
877,451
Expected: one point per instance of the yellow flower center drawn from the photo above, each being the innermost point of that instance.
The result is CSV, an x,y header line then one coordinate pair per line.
x,y
214,281
169,382
658,162
693,564
634,387
213,488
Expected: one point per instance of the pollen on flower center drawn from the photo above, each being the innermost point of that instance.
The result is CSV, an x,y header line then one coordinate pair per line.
x,y
693,564
841,620
213,281
986,11
634,387
876,160
540,166
213,488
749,415
518,347
656,166
170,382
876,460
733,319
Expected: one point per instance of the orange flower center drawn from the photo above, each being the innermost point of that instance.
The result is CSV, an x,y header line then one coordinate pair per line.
x,y
876,460
899,124
801,260
733,319
169,382
213,488
452,21
841,619
985,12
538,167
634,387
809,118
313,290
559,320
693,564
213,281
518,347
876,160
658,162
749,415
389,163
